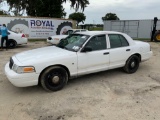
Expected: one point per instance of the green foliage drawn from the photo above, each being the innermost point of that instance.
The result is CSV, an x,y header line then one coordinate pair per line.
x,y
2,12
79,17
37,40
38,8
76,4
110,16
44,8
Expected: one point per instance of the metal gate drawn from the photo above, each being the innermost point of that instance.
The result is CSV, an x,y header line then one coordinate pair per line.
x,y
128,27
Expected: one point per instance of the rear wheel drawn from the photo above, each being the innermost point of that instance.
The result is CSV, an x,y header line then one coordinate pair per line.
x,y
54,78
132,64
11,44
157,36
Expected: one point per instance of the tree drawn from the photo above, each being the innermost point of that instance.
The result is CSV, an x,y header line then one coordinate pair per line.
x,y
38,8
78,3
110,16
79,17
45,8
2,12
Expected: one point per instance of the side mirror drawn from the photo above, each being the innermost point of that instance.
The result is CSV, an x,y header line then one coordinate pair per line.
x,y
87,49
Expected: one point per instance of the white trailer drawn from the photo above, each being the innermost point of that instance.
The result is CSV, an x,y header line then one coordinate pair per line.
x,y
134,28
37,28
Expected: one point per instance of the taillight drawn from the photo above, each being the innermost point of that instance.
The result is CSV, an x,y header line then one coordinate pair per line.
x,y
23,35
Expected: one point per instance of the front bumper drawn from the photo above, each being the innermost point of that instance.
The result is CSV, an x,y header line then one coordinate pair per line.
x,y
55,42
21,80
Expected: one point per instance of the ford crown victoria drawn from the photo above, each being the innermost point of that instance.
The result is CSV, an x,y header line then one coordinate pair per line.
x,y
56,38
15,39
76,55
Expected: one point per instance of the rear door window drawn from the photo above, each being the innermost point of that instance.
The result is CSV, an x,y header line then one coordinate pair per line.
x,y
117,40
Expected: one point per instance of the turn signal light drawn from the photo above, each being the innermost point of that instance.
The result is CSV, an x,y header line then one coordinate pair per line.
x,y
28,69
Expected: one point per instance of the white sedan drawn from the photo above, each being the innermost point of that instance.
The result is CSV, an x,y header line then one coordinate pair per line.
x,y
15,39
78,54
56,38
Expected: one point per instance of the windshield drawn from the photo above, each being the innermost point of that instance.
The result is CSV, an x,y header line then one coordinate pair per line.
x,y
73,42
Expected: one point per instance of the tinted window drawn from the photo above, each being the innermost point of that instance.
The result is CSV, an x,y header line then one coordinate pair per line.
x,y
124,41
117,41
97,43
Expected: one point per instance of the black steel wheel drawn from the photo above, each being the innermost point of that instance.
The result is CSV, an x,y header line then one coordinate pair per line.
x,y
11,44
54,78
132,64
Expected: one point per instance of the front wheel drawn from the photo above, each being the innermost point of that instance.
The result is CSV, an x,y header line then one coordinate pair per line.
x,y
132,64
54,78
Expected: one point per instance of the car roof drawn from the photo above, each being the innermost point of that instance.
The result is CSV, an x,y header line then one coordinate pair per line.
x,y
77,29
98,32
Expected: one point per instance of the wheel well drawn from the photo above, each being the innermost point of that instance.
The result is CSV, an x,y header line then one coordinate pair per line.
x,y
52,66
138,55
12,40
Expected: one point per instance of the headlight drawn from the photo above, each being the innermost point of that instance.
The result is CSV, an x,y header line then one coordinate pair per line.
x,y
23,69
56,38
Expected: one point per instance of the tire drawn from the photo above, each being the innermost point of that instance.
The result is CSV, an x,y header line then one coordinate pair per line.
x,y
16,21
54,78
132,64
11,44
156,36
63,25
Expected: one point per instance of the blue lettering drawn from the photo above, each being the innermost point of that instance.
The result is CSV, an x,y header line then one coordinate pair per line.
x,y
43,22
38,23
32,22
52,24
47,23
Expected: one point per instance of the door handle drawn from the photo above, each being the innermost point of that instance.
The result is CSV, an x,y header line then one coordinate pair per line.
x,y
128,49
106,53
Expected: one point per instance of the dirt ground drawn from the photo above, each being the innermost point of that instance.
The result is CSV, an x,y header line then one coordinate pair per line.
x,y
109,95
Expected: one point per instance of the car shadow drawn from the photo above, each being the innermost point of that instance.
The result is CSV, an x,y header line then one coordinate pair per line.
x,y
82,80
94,77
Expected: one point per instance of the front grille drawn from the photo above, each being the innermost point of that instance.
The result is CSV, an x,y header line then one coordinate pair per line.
x,y
11,63
49,38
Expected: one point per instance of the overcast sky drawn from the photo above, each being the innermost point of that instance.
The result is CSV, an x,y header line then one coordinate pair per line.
x,y
125,9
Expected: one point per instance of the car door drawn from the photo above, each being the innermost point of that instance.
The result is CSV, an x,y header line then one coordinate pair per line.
x,y
95,60
120,50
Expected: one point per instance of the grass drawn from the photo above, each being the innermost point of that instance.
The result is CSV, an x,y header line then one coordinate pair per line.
x,y
37,40
142,39
96,29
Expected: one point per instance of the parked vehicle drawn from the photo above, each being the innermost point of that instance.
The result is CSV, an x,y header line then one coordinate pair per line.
x,y
56,38
78,54
15,39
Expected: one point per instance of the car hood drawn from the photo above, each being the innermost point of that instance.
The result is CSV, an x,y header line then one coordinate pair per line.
x,y
59,36
42,54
